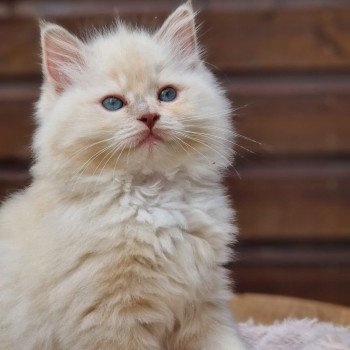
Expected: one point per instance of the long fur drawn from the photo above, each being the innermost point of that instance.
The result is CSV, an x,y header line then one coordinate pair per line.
x,y
114,245
292,334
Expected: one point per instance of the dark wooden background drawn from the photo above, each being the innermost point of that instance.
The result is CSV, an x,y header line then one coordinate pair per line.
x,y
286,65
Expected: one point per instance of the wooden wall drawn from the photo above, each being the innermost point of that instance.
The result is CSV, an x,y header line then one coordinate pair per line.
x,y
286,65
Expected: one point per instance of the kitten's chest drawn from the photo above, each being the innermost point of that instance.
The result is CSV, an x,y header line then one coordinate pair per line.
x,y
140,211
149,267
135,253
147,228
151,233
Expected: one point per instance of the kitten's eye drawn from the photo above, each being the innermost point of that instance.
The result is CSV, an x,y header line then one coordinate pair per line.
x,y
167,95
113,103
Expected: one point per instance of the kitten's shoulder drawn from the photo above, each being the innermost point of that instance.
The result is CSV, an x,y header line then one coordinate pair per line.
x,y
20,211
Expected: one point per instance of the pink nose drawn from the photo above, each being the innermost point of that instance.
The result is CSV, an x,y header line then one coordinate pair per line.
x,y
149,119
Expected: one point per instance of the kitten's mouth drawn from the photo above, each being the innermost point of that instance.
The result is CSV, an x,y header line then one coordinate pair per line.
x,y
149,138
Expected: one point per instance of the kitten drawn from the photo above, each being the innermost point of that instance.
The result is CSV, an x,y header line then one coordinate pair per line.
x,y
120,240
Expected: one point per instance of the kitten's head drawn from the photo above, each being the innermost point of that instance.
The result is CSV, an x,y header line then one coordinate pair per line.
x,y
131,100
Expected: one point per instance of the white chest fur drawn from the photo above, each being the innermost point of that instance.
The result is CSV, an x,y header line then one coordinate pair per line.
x,y
142,252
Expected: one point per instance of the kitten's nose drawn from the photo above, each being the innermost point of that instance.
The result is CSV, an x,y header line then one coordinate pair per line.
x,y
149,119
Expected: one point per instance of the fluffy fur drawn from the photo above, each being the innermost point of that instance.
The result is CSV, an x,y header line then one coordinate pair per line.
x,y
119,244
291,334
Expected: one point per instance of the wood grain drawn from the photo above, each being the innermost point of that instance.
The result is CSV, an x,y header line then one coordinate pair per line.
x,y
308,270
292,200
12,179
291,115
326,283
293,254
16,122
278,37
268,36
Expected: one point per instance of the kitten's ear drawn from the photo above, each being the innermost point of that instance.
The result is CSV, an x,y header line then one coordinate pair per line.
x,y
62,55
179,30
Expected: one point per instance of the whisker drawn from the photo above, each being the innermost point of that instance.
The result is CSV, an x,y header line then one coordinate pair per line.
x,y
86,164
116,162
248,139
236,171
87,147
195,149
206,145
235,133
127,157
110,155
232,165
180,144
113,152
209,127
214,137
93,157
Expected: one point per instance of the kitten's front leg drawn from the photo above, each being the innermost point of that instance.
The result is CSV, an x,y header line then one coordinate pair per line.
x,y
223,337
208,328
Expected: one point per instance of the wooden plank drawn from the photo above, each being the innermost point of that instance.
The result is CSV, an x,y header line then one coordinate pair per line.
x,y
301,116
288,116
330,284
12,178
239,38
279,38
16,123
292,254
292,201
312,271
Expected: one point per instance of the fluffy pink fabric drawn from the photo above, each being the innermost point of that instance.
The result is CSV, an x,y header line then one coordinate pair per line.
x,y
292,334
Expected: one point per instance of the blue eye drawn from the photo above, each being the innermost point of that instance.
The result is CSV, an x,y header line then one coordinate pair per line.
x,y
113,103
168,94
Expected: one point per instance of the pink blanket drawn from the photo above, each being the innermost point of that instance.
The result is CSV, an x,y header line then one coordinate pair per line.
x,y
292,334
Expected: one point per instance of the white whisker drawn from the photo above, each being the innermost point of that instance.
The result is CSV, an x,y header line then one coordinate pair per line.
x,y
206,145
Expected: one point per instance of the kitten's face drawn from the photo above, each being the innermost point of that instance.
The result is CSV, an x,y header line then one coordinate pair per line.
x,y
134,101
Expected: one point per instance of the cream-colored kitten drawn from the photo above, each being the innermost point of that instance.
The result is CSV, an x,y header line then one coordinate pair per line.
x,y
120,241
